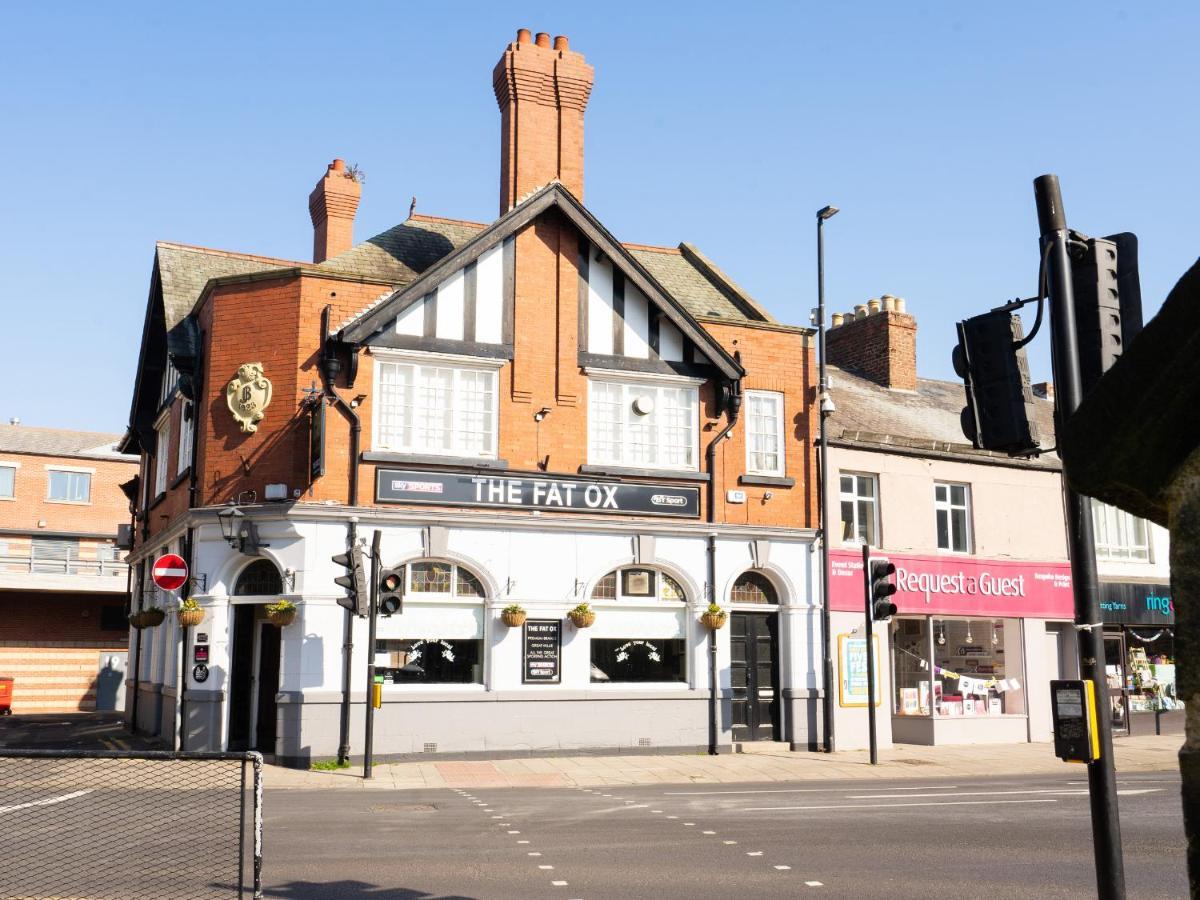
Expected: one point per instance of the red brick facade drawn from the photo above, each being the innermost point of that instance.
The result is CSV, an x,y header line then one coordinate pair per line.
x,y
881,346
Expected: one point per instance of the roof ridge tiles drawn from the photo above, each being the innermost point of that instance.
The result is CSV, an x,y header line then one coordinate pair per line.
x,y
230,254
423,217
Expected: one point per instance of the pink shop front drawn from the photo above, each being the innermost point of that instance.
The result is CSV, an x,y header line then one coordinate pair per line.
x,y
967,659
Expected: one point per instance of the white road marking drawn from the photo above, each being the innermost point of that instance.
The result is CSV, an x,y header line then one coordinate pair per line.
x,y
689,823
783,868
1059,791
514,832
728,842
559,883
672,817
656,810
48,801
893,805
522,842
814,884
764,791
545,867
534,853
754,853
708,832
929,787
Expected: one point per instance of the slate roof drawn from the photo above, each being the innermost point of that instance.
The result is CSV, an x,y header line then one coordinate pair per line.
x,y
702,295
400,254
183,271
926,420
60,442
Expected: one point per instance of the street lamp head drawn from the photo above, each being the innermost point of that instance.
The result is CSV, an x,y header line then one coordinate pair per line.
x,y
231,524
827,212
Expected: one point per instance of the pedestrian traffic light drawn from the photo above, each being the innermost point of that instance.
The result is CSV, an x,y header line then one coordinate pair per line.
x,y
1108,301
881,570
999,414
391,591
354,581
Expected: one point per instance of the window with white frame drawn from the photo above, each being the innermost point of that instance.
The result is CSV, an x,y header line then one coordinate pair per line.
x,y
952,508
162,449
1120,535
68,486
643,424
860,510
443,409
764,433
187,433
169,381
8,482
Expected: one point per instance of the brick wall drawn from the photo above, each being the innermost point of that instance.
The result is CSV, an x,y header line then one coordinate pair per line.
x,y
881,346
107,509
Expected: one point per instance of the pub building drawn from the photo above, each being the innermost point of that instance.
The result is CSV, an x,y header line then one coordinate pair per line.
x,y
532,416
1139,622
984,598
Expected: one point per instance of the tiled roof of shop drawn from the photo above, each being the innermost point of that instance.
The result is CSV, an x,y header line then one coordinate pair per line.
x,y
925,420
184,270
60,442
400,254
682,272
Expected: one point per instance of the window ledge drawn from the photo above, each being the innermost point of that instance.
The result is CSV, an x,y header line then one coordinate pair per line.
x,y
180,478
767,480
430,459
68,502
666,474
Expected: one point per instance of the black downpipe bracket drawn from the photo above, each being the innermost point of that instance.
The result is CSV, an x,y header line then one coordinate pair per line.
x,y
733,403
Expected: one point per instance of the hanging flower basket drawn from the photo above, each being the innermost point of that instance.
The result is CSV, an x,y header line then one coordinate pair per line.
x,y
191,616
714,618
153,617
582,615
137,620
513,616
282,613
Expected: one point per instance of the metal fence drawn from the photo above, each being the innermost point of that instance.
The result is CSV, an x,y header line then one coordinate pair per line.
x,y
129,825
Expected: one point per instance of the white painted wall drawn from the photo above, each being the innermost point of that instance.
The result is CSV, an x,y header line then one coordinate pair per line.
x,y
450,295
489,296
600,306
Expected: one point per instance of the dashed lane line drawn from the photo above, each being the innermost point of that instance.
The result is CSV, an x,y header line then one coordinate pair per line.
x,y
47,801
893,805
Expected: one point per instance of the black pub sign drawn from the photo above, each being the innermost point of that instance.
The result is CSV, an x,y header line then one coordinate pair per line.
x,y
521,492
543,651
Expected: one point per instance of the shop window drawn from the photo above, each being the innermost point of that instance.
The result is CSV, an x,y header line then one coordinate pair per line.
x,y
643,425
467,585
971,673
429,661
753,587
8,481
442,579
637,583
259,579
1119,535
764,433
952,507
617,660
860,512
65,486
443,410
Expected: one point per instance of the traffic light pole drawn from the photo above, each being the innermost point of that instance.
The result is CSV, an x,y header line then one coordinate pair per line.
x,y
347,663
1068,392
866,550
372,615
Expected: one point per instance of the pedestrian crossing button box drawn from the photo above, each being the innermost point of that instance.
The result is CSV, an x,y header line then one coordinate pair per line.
x,y
1073,705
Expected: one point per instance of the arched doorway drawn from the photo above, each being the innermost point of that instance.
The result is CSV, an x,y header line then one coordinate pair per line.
x,y
254,661
754,658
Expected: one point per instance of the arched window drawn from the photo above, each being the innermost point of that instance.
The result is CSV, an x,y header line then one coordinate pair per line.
x,y
258,579
753,587
433,579
637,583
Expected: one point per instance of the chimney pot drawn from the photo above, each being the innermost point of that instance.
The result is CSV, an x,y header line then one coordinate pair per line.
x,y
560,43
860,310
338,165
524,36
837,319
873,306
542,39
899,304
889,303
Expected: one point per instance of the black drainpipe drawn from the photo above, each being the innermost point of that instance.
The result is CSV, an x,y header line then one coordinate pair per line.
x,y
330,366
734,405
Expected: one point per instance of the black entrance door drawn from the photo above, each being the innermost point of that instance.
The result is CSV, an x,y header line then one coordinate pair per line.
x,y
754,652
241,677
268,686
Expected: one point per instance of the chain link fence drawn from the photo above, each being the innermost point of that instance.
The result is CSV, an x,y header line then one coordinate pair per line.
x,y
130,825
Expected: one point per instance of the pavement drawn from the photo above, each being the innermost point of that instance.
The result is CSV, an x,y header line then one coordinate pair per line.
x,y
71,731
764,763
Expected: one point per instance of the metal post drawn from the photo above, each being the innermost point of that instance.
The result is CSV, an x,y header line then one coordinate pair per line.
x,y
866,551
823,487
347,662
1068,393
372,615
713,745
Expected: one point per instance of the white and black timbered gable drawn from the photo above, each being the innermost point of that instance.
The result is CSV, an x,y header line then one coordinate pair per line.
x,y
464,303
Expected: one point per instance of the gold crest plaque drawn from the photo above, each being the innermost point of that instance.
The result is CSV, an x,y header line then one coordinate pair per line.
x,y
248,396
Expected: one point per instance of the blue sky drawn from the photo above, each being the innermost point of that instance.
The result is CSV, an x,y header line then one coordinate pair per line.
x,y
726,125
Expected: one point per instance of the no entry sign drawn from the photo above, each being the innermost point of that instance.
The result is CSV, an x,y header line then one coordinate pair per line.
x,y
169,572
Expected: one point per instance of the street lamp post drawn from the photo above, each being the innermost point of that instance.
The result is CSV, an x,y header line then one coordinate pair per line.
x,y
825,407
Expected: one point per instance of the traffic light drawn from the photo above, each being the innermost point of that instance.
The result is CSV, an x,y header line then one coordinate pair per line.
x,y
391,591
882,587
354,581
1108,301
999,414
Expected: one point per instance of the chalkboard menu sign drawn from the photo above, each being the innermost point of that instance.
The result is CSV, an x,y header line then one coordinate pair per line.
x,y
543,651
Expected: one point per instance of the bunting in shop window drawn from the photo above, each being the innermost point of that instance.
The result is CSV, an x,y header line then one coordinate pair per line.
x,y
969,684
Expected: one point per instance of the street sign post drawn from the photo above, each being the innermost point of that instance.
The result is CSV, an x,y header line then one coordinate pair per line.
x,y
169,572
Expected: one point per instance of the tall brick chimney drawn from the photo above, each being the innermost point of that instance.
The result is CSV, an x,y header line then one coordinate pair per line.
x,y
332,205
878,340
542,91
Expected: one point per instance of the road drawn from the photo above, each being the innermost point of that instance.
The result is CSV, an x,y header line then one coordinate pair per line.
x,y
988,838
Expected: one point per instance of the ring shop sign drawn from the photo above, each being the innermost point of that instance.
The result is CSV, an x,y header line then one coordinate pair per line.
x,y
457,489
